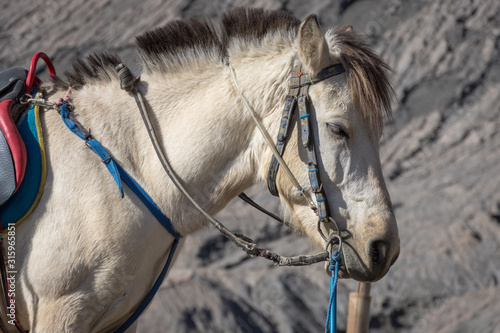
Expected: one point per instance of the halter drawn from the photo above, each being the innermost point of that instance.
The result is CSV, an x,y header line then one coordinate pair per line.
x,y
299,96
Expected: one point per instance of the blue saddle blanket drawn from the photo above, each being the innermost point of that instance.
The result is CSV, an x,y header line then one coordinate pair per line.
x,y
27,196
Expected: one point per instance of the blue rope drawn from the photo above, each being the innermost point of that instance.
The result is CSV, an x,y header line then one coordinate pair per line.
x,y
331,317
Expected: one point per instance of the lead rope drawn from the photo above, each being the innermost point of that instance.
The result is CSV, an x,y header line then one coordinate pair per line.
x,y
331,316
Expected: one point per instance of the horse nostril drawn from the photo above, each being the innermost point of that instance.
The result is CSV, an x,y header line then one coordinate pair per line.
x,y
378,251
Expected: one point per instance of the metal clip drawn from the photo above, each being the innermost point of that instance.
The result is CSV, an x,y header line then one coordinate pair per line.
x,y
37,101
25,99
332,241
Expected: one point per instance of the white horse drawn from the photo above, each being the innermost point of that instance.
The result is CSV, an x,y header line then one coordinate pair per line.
x,y
86,257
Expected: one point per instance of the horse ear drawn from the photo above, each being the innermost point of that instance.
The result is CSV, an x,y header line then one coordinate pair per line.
x,y
313,49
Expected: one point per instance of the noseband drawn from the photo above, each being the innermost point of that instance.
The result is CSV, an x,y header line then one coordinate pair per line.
x,y
298,96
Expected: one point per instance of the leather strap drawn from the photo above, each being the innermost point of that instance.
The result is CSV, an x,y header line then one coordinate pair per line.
x,y
298,96
314,179
290,104
305,79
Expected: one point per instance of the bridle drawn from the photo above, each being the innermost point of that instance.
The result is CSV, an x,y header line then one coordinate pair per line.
x,y
298,95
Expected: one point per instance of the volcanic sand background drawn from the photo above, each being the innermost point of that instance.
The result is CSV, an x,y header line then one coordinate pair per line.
x,y
441,158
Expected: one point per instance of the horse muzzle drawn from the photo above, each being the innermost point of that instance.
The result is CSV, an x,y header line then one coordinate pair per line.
x,y
371,263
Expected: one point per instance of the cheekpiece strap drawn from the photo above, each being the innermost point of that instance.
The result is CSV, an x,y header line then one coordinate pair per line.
x,y
307,141
286,117
281,143
304,120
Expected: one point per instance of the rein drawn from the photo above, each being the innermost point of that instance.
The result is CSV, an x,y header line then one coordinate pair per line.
x,y
298,82
299,88
127,82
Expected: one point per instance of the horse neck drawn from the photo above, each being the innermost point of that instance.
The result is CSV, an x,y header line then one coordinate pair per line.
x,y
263,79
207,134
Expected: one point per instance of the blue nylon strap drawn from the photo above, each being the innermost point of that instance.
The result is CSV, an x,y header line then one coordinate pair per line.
x,y
146,199
108,161
65,114
117,171
144,304
93,144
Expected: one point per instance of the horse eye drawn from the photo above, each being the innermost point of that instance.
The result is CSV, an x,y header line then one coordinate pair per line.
x,y
337,130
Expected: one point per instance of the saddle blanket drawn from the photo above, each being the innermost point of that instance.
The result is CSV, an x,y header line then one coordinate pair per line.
x,y
27,196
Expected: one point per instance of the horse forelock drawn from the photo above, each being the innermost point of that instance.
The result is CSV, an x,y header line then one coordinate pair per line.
x,y
368,75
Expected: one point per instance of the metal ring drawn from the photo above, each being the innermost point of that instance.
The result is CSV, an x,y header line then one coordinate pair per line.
x,y
326,239
331,241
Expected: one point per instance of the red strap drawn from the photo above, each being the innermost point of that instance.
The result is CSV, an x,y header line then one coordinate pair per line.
x,y
32,79
14,140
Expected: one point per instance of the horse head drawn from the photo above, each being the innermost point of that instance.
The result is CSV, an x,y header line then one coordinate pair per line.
x,y
346,114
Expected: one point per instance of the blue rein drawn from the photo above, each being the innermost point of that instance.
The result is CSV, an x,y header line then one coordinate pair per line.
x,y
331,317
120,174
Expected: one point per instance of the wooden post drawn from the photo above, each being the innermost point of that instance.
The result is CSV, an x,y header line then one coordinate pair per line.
x,y
358,316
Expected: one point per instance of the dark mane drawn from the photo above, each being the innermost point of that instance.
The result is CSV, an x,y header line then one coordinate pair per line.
x,y
368,75
167,43
165,48
183,42
256,23
177,35
98,66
